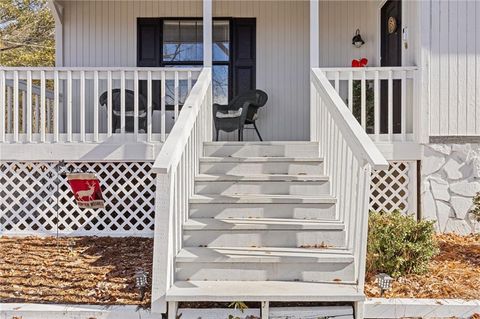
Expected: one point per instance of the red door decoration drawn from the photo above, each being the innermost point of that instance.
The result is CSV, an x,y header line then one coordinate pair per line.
x,y
86,189
363,62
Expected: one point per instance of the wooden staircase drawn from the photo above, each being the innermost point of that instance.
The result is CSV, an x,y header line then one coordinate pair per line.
x,y
262,226
266,221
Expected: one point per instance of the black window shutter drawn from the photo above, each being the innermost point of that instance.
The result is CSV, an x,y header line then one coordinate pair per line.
x,y
244,55
148,42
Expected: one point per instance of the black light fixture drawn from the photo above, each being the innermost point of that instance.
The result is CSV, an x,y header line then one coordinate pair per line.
x,y
357,40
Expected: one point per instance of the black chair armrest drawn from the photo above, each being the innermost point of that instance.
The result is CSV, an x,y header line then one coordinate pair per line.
x,y
220,108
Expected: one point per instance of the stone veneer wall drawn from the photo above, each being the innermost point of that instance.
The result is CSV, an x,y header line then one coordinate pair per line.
x,y
450,178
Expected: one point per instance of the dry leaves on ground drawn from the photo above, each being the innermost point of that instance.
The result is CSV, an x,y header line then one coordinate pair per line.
x,y
85,270
454,273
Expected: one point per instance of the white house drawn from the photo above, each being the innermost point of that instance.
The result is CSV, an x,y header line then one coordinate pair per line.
x,y
245,220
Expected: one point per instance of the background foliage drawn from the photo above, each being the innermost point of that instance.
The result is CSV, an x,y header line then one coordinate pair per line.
x,y
399,245
476,209
27,30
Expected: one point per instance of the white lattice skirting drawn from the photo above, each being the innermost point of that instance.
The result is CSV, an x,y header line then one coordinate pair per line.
x,y
395,188
28,201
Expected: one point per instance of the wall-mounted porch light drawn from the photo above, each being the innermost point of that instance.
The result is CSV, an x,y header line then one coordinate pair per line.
x,y
357,40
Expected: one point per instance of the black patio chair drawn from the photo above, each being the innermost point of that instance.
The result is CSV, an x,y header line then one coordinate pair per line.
x,y
129,110
231,117
258,99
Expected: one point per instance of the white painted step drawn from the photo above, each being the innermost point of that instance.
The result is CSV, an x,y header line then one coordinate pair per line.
x,y
262,233
262,291
262,184
260,223
261,149
243,264
261,165
260,198
263,255
255,206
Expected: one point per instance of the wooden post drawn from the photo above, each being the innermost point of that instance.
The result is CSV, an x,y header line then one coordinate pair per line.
x,y
161,254
314,63
314,34
207,33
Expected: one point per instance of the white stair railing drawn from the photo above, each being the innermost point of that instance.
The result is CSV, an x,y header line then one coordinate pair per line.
x,y
361,89
62,104
349,156
176,167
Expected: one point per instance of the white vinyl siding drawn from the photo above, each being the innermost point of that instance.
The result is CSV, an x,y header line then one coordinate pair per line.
x,y
103,33
454,68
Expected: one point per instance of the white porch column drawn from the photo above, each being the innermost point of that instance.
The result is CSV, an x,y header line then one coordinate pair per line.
x,y
314,63
207,33
314,34
57,11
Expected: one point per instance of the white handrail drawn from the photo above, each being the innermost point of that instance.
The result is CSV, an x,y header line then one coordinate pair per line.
x,y
44,104
399,85
174,146
176,167
349,156
36,89
346,122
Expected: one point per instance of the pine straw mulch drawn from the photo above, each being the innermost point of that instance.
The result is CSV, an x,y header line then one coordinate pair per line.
x,y
77,270
453,274
100,270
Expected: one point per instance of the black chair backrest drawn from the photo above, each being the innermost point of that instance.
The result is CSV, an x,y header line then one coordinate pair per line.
x,y
258,99
129,100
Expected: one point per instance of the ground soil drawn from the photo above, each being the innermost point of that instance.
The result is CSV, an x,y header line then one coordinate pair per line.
x,y
453,274
84,270
100,270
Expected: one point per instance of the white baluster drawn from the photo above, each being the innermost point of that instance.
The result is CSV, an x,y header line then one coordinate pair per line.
x,y
176,96
69,107
16,106
390,105
135,104
56,108
404,106
9,110
37,113
122,103
376,106
109,104
82,106
189,82
163,97
24,112
43,120
337,81
150,107
95,106
3,85
363,101
350,90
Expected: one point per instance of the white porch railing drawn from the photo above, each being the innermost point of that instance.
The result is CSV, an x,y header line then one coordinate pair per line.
x,y
349,156
176,167
62,104
386,118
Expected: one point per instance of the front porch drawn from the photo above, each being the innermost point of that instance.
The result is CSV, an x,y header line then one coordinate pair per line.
x,y
150,140
55,107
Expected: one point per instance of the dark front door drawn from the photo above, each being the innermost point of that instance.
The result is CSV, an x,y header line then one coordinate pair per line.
x,y
391,55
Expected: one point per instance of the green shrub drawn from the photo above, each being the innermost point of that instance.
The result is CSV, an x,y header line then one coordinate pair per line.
x,y
476,209
399,245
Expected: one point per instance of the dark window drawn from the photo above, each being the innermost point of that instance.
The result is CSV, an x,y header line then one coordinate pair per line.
x,y
180,42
